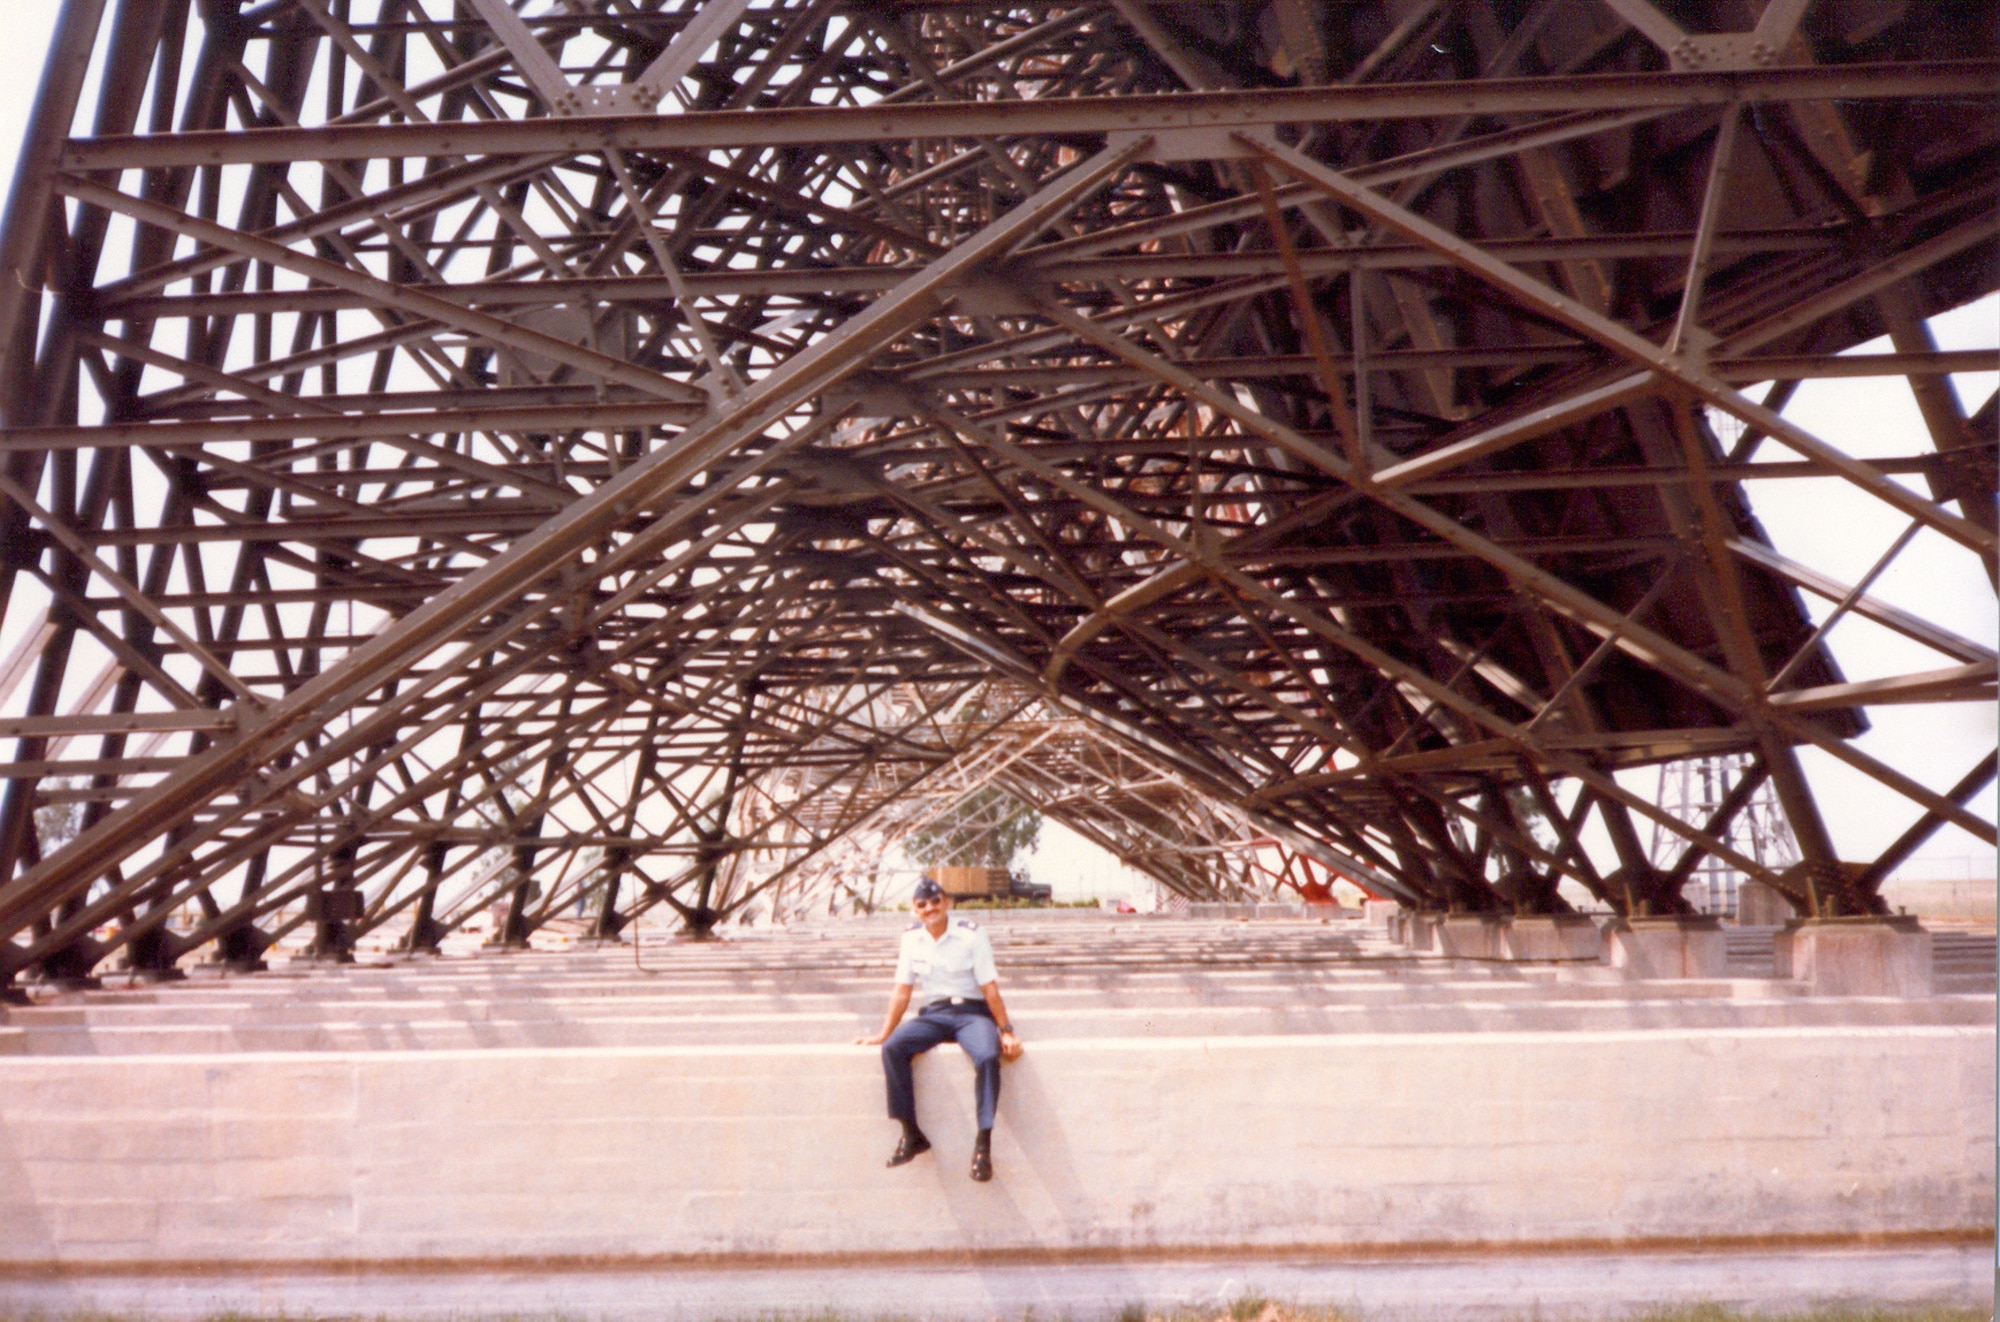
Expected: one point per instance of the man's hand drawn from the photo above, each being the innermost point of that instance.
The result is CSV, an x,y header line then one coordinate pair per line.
x,y
1010,1045
875,1041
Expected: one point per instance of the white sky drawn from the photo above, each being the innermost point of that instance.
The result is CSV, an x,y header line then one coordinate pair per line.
x,y
1821,522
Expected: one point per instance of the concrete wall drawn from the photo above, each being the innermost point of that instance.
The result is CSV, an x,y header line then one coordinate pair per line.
x,y
1122,1143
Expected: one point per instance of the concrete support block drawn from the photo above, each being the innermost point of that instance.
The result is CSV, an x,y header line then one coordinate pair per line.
x,y
1379,913
1856,956
1678,947
1757,905
1469,936
1278,909
1423,932
1550,936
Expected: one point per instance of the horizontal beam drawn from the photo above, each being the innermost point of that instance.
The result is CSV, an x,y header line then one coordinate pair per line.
x,y
1970,683
89,723
1206,112
356,426
820,284
582,416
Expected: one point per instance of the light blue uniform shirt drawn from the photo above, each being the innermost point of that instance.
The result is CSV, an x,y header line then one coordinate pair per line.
x,y
958,963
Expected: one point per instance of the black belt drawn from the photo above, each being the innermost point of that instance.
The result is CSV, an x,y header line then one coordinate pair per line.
x,y
976,1004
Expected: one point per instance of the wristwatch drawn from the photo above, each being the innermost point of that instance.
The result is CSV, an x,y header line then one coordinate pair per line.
x,y
1006,1028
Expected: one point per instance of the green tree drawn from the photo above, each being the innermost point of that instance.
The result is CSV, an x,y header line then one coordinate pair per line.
x,y
986,828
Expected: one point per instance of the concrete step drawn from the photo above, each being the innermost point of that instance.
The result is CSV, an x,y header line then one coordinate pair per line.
x,y
552,1001
804,1030
552,998
1964,952
1177,978
522,1026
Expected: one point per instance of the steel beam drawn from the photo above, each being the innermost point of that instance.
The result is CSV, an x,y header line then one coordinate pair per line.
x,y
1217,112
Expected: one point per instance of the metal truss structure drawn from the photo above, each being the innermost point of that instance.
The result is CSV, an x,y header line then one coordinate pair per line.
x,y
617,451
1123,801
1696,790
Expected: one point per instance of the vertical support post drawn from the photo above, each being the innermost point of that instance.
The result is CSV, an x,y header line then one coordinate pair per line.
x,y
425,931
336,907
609,921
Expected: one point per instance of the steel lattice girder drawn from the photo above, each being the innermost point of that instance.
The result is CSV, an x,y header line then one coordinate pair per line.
x,y
473,448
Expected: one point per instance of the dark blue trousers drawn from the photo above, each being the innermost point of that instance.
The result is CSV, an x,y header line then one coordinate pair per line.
x,y
973,1030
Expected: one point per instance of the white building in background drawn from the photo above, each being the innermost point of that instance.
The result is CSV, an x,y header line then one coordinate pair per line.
x,y
1078,870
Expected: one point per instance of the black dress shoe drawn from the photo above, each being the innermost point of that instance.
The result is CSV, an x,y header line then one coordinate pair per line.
x,y
909,1149
982,1165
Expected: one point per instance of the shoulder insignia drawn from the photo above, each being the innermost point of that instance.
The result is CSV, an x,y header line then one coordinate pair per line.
x,y
915,923
966,923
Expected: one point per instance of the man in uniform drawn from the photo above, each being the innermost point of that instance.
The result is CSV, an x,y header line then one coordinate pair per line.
x,y
946,965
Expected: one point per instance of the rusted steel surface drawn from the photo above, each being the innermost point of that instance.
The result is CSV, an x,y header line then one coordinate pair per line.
x,y
613,457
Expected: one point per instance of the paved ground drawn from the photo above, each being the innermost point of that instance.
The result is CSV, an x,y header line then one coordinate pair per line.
x,y
1445,1290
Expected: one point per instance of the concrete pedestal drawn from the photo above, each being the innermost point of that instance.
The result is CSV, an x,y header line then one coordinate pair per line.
x,y
1422,929
1757,905
1551,936
1856,956
1691,947
1377,913
1228,910
1470,935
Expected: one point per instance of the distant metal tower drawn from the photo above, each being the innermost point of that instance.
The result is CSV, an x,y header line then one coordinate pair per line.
x,y
1743,810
